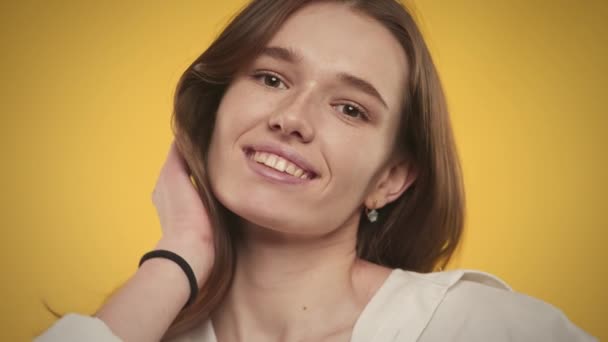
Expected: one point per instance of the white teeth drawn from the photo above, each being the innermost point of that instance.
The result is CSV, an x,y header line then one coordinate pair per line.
x,y
272,159
260,157
290,168
280,164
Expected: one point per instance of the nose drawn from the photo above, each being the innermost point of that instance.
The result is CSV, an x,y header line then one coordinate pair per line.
x,y
294,120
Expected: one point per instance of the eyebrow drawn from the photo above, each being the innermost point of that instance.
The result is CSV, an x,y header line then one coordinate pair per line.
x,y
281,53
362,85
292,56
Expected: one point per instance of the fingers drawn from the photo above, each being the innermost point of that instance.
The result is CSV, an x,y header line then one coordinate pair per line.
x,y
174,173
175,161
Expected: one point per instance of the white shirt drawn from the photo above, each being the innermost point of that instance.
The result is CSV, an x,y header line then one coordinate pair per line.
x,y
459,305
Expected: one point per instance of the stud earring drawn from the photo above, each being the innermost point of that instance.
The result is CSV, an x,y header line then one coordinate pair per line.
x,y
372,215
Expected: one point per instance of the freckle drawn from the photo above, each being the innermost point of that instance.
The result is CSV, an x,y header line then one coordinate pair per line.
x,y
304,308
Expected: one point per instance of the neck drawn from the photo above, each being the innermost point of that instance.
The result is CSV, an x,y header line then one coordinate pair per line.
x,y
285,284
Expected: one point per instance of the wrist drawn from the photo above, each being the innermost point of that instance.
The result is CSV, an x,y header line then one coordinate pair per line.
x,y
165,270
195,254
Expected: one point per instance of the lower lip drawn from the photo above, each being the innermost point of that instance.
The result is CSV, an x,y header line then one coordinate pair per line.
x,y
273,175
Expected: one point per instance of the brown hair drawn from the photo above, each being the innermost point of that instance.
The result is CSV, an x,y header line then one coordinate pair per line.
x,y
417,232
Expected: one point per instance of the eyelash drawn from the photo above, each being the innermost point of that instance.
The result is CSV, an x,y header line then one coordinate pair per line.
x,y
362,112
260,76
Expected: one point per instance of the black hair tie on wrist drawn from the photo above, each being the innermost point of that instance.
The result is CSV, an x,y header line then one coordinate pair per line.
x,y
162,253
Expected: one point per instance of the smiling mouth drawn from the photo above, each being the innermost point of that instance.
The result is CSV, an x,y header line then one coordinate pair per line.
x,y
279,164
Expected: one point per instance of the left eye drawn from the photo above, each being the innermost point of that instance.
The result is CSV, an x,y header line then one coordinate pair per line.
x,y
352,111
270,80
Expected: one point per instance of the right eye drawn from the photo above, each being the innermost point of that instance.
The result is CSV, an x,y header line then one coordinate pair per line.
x,y
270,80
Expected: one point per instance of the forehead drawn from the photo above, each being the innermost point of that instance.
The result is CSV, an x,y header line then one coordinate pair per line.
x,y
333,38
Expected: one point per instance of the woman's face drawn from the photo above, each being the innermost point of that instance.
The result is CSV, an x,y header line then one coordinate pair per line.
x,y
304,134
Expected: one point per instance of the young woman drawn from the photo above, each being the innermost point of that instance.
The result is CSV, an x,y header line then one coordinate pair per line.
x,y
326,192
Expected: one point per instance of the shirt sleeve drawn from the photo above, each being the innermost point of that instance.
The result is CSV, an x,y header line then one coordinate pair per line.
x,y
475,312
74,327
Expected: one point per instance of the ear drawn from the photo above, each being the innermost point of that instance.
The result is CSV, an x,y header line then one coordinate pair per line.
x,y
391,184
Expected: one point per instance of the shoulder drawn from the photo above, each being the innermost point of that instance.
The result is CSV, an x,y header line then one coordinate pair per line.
x,y
478,306
459,305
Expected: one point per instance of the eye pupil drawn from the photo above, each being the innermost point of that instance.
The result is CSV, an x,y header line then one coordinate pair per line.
x,y
351,110
272,81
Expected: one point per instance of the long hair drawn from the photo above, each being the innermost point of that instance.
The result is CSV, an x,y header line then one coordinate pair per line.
x,y
418,232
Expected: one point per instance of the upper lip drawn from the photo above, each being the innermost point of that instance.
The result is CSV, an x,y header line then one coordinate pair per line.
x,y
286,153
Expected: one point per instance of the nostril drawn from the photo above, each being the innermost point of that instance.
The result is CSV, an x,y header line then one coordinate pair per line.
x,y
287,129
277,127
297,134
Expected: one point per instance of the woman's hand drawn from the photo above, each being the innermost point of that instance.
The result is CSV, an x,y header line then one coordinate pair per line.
x,y
186,228
146,305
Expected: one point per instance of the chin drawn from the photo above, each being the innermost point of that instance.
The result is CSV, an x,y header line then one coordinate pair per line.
x,y
263,215
271,218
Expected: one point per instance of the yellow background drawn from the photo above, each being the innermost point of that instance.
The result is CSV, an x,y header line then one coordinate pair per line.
x,y
85,99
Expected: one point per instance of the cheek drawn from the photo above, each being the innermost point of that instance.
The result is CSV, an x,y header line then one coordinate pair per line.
x,y
237,110
230,123
352,170
242,113
354,159
351,181
236,115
